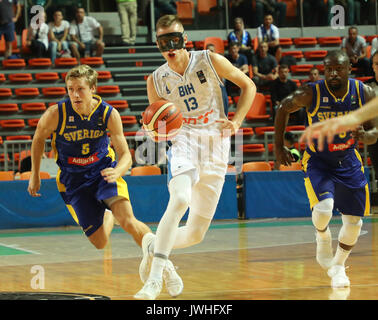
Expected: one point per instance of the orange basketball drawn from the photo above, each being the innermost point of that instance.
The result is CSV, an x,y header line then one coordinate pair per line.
x,y
162,120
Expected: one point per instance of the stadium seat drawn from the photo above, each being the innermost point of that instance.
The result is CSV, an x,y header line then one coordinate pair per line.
x,y
54,91
363,79
253,148
293,167
108,90
129,133
92,61
33,122
256,166
104,75
2,45
320,67
204,6
258,109
145,171
18,137
2,77
261,130
26,92
295,128
127,120
39,62
315,54
12,124
286,42
329,40
26,175
305,41
24,48
8,107
65,62
47,76
301,68
217,42
185,11
20,77
246,131
297,54
118,104
13,63
370,38
230,115
291,8
33,106
5,92
6,175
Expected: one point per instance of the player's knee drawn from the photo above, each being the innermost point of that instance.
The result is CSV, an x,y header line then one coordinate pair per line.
x,y
350,230
196,236
322,213
180,200
99,243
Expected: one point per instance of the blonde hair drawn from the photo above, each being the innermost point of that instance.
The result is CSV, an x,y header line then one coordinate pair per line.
x,y
167,20
83,71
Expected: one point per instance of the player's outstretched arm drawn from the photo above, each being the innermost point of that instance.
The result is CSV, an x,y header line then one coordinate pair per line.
x,y
226,70
46,126
329,128
124,160
297,100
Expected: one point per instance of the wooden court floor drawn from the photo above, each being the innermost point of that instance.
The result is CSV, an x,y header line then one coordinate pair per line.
x,y
238,260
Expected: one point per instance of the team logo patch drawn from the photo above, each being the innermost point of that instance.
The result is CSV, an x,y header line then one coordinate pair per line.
x,y
71,119
325,99
201,76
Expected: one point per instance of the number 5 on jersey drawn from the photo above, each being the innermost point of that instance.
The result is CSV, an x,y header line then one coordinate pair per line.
x,y
85,148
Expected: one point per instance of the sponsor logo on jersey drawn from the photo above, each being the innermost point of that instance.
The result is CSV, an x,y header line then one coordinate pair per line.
x,y
201,76
340,146
83,161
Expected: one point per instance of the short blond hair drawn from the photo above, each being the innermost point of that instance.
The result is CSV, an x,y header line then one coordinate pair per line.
x,y
167,20
83,71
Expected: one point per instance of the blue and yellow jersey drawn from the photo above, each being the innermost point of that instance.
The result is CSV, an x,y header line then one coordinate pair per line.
x,y
80,142
325,106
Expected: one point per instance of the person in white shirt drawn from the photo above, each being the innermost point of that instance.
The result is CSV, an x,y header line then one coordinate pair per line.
x,y
268,32
374,46
82,32
37,38
58,32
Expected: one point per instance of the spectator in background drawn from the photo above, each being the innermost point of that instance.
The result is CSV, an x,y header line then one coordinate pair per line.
x,y
58,32
238,60
37,39
242,37
355,47
82,32
128,15
264,66
278,9
289,143
313,75
7,24
243,9
281,87
374,46
269,33
314,12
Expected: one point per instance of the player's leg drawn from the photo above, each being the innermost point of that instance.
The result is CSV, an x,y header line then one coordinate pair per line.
x,y
180,194
101,236
356,202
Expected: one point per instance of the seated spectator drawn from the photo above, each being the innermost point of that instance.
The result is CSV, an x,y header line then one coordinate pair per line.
x,y
269,33
355,47
242,37
82,32
7,24
264,66
281,87
240,61
373,82
272,7
313,75
37,39
58,32
210,47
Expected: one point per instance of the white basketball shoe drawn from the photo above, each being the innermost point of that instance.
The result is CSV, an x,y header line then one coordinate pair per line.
x,y
338,277
145,265
150,290
172,280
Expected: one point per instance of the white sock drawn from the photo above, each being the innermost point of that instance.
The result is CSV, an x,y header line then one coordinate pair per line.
x,y
157,268
325,235
341,256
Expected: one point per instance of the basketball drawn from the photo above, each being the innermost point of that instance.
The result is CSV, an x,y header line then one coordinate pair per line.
x,y
162,120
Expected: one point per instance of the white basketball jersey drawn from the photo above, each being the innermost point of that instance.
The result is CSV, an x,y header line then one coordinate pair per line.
x,y
199,92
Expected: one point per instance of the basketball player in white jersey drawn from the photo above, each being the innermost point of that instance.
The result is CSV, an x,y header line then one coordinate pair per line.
x,y
198,157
